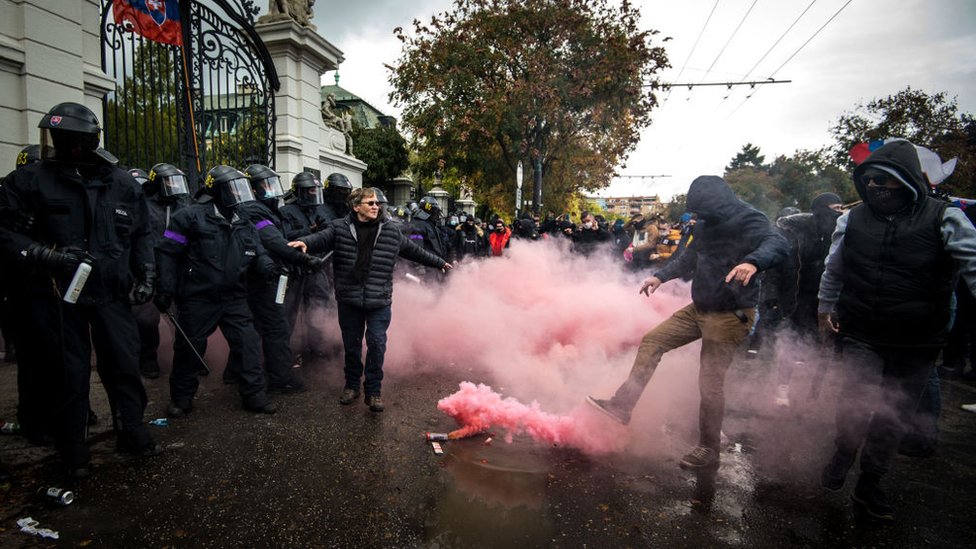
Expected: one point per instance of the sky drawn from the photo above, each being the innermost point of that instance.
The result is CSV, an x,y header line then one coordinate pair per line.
x,y
869,49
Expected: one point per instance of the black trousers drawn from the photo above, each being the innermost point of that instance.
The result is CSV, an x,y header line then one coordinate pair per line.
x,y
111,329
199,319
308,293
878,399
147,321
272,326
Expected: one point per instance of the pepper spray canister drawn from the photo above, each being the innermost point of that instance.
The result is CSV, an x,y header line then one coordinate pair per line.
x,y
78,282
282,288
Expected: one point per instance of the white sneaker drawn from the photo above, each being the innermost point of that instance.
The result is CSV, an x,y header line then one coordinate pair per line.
x,y
969,407
782,398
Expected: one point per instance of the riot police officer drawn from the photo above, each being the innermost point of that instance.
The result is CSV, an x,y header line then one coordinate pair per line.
x,y
336,195
204,258
84,209
8,325
425,231
308,290
269,315
166,192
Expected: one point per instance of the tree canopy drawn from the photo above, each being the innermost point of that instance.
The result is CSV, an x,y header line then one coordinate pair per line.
x,y
933,121
493,82
384,150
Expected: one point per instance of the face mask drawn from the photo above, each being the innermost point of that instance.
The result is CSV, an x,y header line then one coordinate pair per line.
x,y
588,225
887,201
826,220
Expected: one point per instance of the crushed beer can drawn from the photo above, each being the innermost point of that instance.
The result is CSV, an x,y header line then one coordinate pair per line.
x,y
58,495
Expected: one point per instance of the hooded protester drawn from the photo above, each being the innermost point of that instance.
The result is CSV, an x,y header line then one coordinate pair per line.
x,y
790,291
733,241
885,291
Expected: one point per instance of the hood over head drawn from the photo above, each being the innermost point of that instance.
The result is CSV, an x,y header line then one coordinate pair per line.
x,y
711,198
899,159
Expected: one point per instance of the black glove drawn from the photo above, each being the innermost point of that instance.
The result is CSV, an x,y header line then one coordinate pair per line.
x,y
314,262
163,302
20,222
275,272
145,286
66,259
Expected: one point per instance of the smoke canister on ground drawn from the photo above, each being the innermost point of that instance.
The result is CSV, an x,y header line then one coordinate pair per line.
x,y
440,437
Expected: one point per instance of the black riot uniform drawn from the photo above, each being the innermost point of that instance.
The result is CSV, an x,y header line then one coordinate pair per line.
x,y
426,233
8,323
204,258
269,316
308,290
166,192
83,209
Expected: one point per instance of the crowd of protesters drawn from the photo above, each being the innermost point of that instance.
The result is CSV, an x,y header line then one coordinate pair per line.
x,y
262,260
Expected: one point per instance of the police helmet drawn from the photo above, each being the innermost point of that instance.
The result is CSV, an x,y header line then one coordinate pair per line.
x,y
167,179
265,182
337,188
140,176
71,130
307,188
28,155
380,197
428,208
229,186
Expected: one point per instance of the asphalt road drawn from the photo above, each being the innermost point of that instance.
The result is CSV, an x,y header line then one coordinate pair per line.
x,y
322,475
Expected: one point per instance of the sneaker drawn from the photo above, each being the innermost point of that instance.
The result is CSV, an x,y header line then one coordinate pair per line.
x,y
872,500
178,409
348,396
835,473
969,407
606,406
375,403
782,398
699,457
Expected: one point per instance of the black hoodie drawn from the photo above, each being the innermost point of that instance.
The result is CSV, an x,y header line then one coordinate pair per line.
x,y
729,232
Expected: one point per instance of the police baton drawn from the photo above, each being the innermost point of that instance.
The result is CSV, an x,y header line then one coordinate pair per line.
x,y
179,329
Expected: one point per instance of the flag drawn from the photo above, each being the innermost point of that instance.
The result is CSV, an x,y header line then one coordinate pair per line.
x,y
156,20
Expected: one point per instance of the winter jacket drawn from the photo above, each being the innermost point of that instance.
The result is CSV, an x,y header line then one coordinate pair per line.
x,y
376,291
890,276
729,232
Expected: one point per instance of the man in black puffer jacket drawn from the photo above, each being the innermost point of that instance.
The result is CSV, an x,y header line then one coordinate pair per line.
x,y
886,292
365,250
732,242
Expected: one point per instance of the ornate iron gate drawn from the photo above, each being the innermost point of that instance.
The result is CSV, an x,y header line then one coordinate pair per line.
x,y
196,101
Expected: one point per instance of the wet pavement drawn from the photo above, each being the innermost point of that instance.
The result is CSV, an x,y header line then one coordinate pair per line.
x,y
322,475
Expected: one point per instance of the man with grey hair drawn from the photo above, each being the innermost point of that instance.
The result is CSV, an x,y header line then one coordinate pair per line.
x,y
365,249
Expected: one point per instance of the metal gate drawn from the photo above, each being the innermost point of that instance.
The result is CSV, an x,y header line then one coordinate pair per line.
x,y
197,90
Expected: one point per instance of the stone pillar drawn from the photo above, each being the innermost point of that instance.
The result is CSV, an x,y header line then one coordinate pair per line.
x,y
50,52
301,57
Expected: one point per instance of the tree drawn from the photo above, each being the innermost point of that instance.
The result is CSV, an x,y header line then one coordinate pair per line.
x,y
677,206
383,150
749,156
494,82
932,121
141,115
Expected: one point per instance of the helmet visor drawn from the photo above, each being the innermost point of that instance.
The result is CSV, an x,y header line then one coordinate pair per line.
x,y
237,191
271,187
174,185
310,196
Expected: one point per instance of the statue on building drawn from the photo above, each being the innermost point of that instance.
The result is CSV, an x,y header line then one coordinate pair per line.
x,y
298,10
341,122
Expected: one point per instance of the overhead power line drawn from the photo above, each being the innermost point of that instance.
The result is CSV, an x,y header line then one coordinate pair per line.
x,y
689,85
790,58
700,33
729,41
